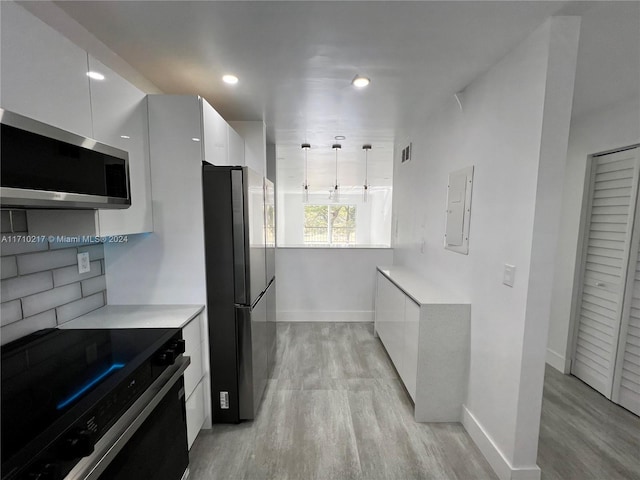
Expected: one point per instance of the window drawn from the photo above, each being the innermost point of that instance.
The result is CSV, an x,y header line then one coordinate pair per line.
x,y
329,224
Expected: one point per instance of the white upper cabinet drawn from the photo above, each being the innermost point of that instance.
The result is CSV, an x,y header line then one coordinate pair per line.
x,y
236,148
120,119
44,75
215,144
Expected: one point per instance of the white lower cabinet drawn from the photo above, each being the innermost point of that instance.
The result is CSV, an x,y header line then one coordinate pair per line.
x,y
194,377
425,331
195,413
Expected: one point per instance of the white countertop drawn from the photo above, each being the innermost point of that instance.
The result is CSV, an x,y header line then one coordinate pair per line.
x,y
419,289
137,316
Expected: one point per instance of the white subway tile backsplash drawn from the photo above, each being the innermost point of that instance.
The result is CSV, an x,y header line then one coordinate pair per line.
x,y
29,325
25,285
8,267
75,309
10,312
69,242
40,285
39,262
40,302
94,285
67,275
13,245
96,252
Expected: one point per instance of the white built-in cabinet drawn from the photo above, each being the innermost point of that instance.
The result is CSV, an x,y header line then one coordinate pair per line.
x,y
44,77
194,376
120,119
425,331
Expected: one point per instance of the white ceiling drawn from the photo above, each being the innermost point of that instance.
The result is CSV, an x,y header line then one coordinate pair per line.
x,y
296,60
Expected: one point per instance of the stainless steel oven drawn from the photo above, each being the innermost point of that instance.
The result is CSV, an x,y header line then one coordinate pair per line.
x,y
94,404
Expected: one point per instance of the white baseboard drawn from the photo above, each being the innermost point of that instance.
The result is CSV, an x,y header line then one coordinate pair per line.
x,y
325,316
556,360
501,466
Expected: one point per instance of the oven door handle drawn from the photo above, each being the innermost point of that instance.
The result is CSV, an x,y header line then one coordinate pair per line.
x,y
105,450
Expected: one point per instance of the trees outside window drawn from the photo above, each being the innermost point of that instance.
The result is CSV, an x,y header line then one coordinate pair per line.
x,y
330,224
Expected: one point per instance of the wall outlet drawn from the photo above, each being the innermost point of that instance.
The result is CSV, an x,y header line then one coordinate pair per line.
x,y
83,263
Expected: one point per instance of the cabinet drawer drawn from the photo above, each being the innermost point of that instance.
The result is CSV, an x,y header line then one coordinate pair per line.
x,y
195,413
193,348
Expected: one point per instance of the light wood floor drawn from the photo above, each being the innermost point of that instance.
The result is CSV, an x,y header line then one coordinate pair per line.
x,y
584,436
335,410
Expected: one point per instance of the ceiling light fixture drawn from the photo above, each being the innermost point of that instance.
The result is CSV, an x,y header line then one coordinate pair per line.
x,y
340,137
230,79
305,185
95,75
365,191
195,139
126,137
360,81
336,186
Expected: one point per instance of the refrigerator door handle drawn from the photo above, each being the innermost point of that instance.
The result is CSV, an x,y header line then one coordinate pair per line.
x,y
242,296
245,361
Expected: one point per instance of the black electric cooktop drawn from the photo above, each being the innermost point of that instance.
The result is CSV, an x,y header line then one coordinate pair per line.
x,y
50,378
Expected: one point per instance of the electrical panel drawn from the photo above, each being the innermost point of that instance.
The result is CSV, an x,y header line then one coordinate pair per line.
x,y
458,210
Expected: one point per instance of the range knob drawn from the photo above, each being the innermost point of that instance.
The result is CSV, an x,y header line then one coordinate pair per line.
x,y
166,357
177,345
78,444
43,471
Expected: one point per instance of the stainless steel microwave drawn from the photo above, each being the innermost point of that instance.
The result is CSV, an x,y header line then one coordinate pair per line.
x,y
42,166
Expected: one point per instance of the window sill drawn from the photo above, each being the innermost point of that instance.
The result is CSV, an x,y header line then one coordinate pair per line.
x,y
335,247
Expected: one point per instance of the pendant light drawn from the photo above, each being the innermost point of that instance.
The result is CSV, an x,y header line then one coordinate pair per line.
x,y
365,191
305,186
336,186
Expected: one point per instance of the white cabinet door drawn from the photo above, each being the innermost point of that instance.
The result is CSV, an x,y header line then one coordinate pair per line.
x,y
120,119
409,372
236,148
195,413
390,320
214,131
44,75
193,349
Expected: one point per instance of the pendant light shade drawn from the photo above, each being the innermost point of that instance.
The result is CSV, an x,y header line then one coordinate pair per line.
x,y
336,186
305,185
365,190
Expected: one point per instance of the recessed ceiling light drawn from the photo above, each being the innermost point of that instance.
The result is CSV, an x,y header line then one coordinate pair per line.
x,y
230,79
360,81
195,139
126,137
95,75
340,137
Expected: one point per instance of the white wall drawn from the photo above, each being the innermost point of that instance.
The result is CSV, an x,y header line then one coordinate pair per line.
x,y
328,284
514,129
610,128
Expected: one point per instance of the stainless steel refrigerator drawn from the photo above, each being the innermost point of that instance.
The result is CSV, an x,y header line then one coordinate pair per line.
x,y
239,227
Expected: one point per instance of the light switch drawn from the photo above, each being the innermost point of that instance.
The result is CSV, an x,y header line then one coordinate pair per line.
x,y
509,275
83,263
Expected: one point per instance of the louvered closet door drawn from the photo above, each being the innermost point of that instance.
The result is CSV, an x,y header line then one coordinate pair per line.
x,y
626,386
613,194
